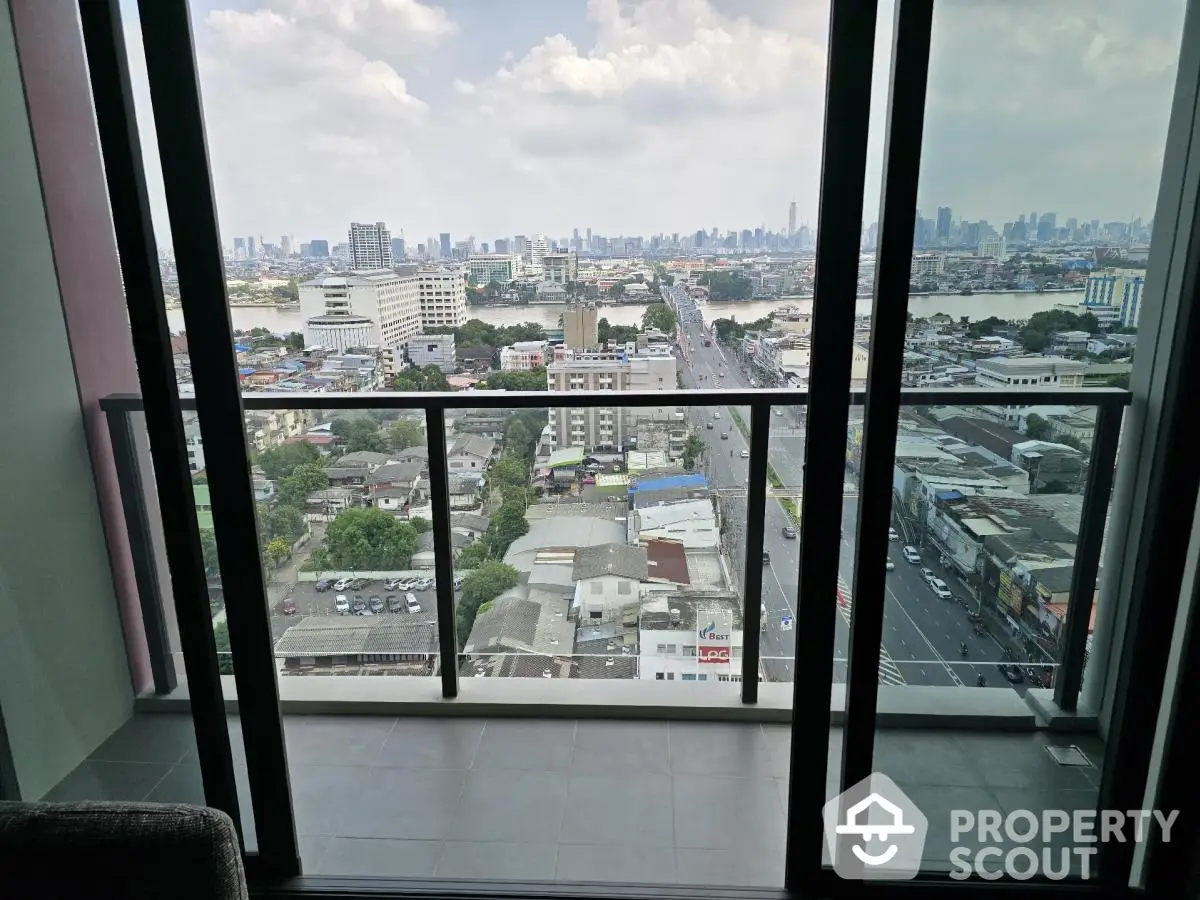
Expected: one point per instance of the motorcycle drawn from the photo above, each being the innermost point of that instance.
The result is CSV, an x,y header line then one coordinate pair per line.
x,y
980,681
962,650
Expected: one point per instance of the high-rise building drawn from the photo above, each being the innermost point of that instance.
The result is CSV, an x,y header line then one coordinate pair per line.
x,y
791,218
1115,296
487,267
251,248
285,245
397,249
560,267
370,246
538,248
369,308
943,223
305,250
503,246
520,245
239,248
444,244
318,249
443,297
993,246
581,326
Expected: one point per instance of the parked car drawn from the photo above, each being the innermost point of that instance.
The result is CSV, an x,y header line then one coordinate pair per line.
x,y
927,575
890,565
589,479
892,536
343,584
423,584
911,555
359,604
393,584
779,412
405,584
289,606
376,605
359,583
342,605
744,454
412,603
940,588
394,603
323,586
789,532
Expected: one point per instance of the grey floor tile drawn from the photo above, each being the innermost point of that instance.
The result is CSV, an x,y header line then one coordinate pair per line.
x,y
159,738
707,748
1019,761
729,868
336,740
374,857
938,804
322,796
782,785
312,849
619,809
500,860
92,780
613,746
619,864
432,743
779,746
510,806
528,745
922,756
413,804
1061,845
183,784
728,813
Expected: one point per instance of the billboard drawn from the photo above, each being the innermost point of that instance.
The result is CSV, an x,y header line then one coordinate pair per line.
x,y
714,639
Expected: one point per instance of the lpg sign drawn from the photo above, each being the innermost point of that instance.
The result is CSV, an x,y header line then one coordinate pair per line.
x,y
714,642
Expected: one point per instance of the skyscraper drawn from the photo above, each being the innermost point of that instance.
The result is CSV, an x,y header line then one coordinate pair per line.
x,y
397,249
251,248
444,242
319,249
791,218
239,248
943,223
370,246
285,245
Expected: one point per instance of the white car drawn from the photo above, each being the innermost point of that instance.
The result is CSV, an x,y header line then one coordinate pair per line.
x,y
423,584
342,605
892,536
910,555
940,588
716,415
393,584
890,565
927,575
779,412
414,606
745,454
343,584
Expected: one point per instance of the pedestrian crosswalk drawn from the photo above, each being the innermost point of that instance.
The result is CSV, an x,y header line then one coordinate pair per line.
x,y
889,672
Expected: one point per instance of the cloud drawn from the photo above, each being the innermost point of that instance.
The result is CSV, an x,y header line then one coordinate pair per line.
x,y
464,87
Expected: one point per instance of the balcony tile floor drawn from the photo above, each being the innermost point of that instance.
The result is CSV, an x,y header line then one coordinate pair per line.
x,y
594,800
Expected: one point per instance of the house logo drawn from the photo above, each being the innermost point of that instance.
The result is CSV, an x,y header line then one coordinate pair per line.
x,y
874,831
709,633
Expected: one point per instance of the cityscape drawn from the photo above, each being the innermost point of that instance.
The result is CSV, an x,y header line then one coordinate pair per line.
x,y
591,543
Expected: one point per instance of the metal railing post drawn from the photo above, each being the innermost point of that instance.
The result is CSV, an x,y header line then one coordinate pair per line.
x,y
443,548
756,514
1094,516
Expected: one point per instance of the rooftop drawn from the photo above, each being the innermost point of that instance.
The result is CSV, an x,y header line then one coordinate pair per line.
x,y
616,559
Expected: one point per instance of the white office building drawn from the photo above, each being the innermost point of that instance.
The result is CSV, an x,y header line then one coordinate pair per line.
x,y
993,246
443,298
560,267
538,248
359,310
501,267
432,350
370,246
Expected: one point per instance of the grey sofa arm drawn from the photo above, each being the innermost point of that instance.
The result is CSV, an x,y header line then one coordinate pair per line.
x,y
126,850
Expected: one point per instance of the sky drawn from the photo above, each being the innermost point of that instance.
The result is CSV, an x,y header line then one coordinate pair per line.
x,y
490,119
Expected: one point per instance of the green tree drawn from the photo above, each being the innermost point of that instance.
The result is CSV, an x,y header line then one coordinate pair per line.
x,y
693,449
1118,381
359,434
483,585
727,285
421,380
405,433
522,430
282,521
318,560
276,551
472,556
659,316
295,489
369,539
533,380
224,654
506,526
420,525
607,333
280,461
509,469
1037,428
294,341
208,549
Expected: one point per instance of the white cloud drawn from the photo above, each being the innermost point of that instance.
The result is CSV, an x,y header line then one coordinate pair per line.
x,y
464,87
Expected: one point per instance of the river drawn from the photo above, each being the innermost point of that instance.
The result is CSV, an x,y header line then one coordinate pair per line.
x,y
977,306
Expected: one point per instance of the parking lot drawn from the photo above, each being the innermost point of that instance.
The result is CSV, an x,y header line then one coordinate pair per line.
x,y
311,602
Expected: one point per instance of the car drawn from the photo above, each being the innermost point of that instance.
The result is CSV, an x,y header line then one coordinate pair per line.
x,y
1012,674
589,479
423,584
289,606
341,604
412,603
892,536
359,604
322,586
910,555
779,412
724,435
343,584
359,583
927,575
458,580
393,584
744,454
394,603
376,604
708,425
889,565
940,589
766,558
789,532
406,584
716,415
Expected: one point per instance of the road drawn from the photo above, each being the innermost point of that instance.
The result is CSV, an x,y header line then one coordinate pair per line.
x,y
921,634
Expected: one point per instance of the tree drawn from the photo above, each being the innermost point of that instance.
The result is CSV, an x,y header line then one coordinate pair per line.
x,y
522,430
483,585
405,433
1118,381
420,525
295,489
294,341
369,539
208,549
472,556
509,469
281,521
659,316
276,551
693,448
1037,428
533,380
318,560
607,333
727,285
280,461
421,380
506,526
224,654
359,434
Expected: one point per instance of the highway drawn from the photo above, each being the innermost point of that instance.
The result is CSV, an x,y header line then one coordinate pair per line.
x,y
921,633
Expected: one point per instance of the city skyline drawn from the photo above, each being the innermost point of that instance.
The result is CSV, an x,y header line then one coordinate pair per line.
x,y
470,118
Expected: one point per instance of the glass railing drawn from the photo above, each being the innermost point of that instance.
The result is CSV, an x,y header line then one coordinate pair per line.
x,y
394,533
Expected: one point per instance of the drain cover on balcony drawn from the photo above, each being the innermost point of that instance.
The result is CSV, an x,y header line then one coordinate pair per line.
x,y
1068,756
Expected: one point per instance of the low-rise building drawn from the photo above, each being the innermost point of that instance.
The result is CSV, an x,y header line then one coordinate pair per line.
x,y
523,356
691,635
432,350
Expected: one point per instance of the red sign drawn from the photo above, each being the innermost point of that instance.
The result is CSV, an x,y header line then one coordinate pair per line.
x,y
714,654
